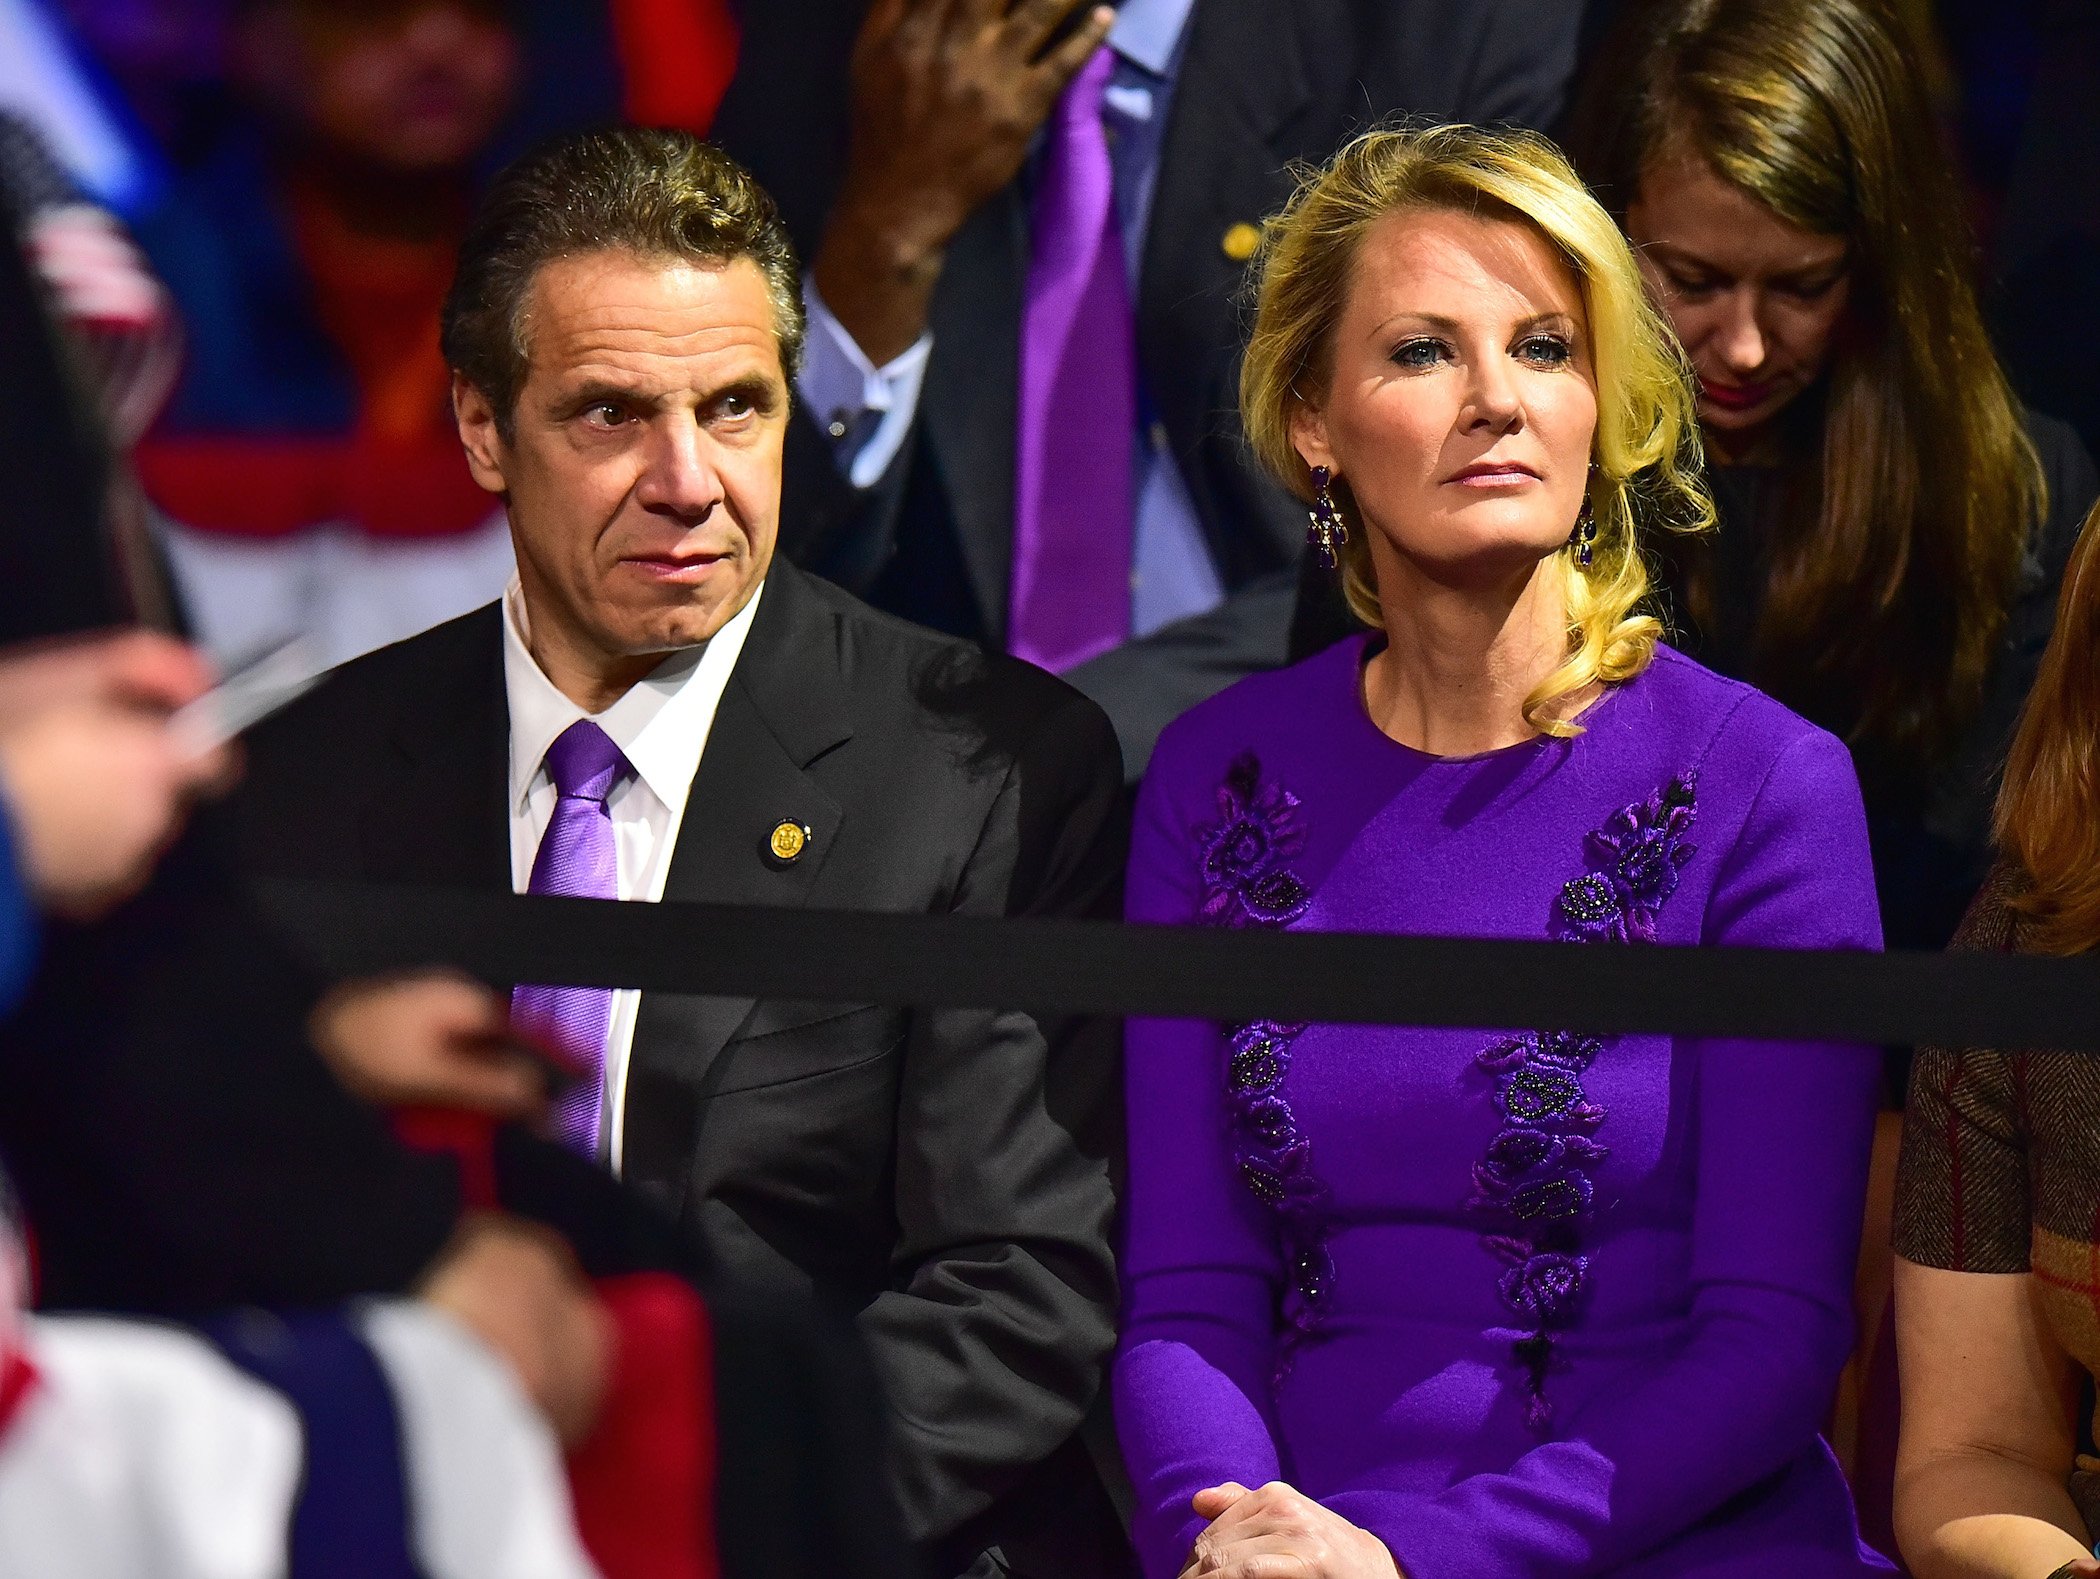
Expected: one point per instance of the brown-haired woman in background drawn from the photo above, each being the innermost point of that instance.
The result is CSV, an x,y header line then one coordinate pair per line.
x,y
1893,525
1998,1201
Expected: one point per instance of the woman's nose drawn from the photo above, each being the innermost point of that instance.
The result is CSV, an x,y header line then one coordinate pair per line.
x,y
1740,342
1492,400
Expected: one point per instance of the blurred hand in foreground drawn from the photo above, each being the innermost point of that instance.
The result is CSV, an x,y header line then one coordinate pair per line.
x,y
94,781
517,1288
432,1039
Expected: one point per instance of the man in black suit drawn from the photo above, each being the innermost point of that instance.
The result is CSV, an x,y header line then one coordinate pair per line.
x,y
662,709
909,144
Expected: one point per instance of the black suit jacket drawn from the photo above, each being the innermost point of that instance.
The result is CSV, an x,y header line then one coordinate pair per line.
x,y
945,1173
1262,84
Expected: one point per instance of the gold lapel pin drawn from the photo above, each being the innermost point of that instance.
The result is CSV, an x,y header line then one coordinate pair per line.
x,y
1241,241
787,841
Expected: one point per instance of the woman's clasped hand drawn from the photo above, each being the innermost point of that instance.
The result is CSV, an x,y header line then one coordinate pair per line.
x,y
1276,1532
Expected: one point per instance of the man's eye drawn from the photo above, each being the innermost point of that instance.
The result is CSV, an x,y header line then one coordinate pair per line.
x,y
605,414
736,405
1419,353
1548,350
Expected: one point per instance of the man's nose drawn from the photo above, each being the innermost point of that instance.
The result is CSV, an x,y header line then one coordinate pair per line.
x,y
680,477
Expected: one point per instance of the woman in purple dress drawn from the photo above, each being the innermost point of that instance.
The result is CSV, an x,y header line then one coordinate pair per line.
x,y
1448,1304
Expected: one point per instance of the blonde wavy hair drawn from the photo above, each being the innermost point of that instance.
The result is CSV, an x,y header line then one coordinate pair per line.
x,y
1647,458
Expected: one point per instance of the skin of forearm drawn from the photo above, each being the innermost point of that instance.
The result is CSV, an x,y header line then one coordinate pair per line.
x,y
1981,1516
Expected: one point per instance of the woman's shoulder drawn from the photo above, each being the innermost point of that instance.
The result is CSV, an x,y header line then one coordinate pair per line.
x,y
1300,714
1728,726
1991,924
1781,828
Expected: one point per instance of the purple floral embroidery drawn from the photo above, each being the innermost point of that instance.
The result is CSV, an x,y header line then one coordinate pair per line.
x,y
1537,1181
1247,883
1634,858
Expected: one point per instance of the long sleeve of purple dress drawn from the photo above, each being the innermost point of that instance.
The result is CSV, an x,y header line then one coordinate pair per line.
x,y
1519,1303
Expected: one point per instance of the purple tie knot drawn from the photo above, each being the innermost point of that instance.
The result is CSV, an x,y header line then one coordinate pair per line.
x,y
1079,106
584,763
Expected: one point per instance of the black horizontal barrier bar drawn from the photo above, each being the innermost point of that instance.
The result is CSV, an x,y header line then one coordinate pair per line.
x,y
1960,1000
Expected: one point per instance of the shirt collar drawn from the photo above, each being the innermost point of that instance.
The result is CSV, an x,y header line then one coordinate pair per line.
x,y
660,724
1148,32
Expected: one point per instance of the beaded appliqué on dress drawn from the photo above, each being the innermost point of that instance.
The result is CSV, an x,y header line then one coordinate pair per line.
x,y
1538,1179
1247,883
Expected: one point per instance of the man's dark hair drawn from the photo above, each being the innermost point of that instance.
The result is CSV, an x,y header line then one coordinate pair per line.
x,y
652,193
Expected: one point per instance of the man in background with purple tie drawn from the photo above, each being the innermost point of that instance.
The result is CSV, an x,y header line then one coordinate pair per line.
x,y
1029,224
660,708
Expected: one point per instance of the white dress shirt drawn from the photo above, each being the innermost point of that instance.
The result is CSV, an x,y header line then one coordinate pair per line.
x,y
662,726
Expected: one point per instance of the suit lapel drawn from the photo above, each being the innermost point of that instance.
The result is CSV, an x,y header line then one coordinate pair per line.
x,y
437,813
972,385
783,708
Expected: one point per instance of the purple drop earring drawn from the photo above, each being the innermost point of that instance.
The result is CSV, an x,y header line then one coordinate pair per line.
x,y
1327,529
1584,536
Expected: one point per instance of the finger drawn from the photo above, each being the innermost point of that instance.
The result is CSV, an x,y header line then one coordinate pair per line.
x,y
925,22
972,16
1030,24
1278,1564
580,1360
508,1088
148,669
882,18
1062,64
1274,1508
1256,1557
1210,1502
464,1007
204,776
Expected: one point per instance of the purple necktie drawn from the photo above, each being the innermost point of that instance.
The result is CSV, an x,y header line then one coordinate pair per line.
x,y
577,856
1073,493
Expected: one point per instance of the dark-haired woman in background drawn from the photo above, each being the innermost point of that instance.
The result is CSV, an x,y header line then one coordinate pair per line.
x,y
1999,1193
1893,525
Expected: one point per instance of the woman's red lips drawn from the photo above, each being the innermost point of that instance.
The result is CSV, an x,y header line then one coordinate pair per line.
x,y
1736,397
1494,471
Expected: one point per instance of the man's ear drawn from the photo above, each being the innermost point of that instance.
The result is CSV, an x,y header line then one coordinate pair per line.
x,y
479,435
1309,438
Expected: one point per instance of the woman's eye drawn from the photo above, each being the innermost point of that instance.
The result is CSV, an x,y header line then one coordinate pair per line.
x,y
1548,350
1419,353
1810,290
1692,290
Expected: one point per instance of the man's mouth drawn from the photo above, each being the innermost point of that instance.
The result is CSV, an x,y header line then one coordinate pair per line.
x,y
677,569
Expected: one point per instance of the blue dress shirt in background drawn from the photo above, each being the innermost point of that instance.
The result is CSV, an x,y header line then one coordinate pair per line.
x,y
17,922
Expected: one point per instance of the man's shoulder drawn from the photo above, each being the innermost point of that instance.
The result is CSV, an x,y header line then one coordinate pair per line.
x,y
370,692
940,687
